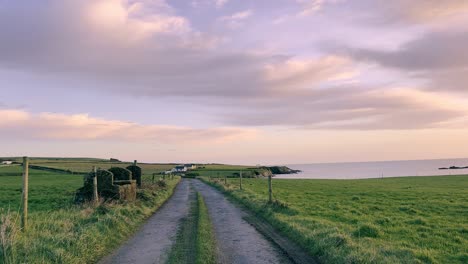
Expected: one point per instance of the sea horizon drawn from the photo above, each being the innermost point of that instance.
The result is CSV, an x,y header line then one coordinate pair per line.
x,y
377,169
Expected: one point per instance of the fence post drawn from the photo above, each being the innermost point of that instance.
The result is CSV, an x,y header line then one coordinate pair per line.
x,y
225,179
134,162
24,216
270,198
95,186
153,178
240,180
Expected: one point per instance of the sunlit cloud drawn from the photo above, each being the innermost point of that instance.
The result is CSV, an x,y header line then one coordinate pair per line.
x,y
237,19
220,3
20,124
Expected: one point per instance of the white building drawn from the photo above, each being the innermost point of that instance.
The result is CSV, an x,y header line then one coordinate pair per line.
x,y
190,166
180,168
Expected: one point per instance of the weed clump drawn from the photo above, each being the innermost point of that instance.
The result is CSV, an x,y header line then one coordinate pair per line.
x,y
8,233
367,230
162,183
417,221
383,221
408,210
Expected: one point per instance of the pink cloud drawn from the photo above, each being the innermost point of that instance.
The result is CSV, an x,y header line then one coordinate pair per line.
x,y
25,125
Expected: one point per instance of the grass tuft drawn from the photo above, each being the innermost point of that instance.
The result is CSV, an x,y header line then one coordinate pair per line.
x,y
367,230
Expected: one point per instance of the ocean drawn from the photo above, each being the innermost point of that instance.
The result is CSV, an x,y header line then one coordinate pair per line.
x,y
379,169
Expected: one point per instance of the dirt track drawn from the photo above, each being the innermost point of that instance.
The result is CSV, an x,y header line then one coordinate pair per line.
x,y
153,241
238,241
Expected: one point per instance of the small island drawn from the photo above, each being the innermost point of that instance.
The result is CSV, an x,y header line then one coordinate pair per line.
x,y
453,168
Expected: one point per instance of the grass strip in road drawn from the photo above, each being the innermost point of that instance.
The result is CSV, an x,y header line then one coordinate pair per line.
x,y
206,243
195,241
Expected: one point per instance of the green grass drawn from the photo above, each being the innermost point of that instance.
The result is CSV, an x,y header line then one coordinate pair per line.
x,y
87,166
206,243
47,191
61,232
394,220
195,239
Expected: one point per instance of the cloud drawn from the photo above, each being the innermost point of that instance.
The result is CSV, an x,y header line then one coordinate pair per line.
x,y
20,124
435,50
426,11
355,109
440,57
220,3
141,49
237,19
310,7
414,12
307,73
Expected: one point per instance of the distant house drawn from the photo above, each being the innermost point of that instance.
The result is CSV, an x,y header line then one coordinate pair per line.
x,y
190,166
7,162
179,168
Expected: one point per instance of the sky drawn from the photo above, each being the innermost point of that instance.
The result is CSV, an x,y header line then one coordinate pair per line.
x,y
234,81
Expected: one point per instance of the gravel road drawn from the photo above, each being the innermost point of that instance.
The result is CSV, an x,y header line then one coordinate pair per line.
x,y
238,241
153,241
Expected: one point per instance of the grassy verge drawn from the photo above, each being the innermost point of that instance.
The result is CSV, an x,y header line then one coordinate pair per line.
x,y
75,234
195,239
395,220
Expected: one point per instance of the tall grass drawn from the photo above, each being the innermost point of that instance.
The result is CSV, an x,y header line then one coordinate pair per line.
x,y
77,234
8,236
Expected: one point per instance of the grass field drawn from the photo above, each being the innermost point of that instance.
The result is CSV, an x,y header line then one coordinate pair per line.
x,y
87,166
394,220
61,232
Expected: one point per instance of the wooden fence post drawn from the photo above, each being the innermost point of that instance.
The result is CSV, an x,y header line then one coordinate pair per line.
x,y
270,198
153,178
24,216
225,179
240,180
95,186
